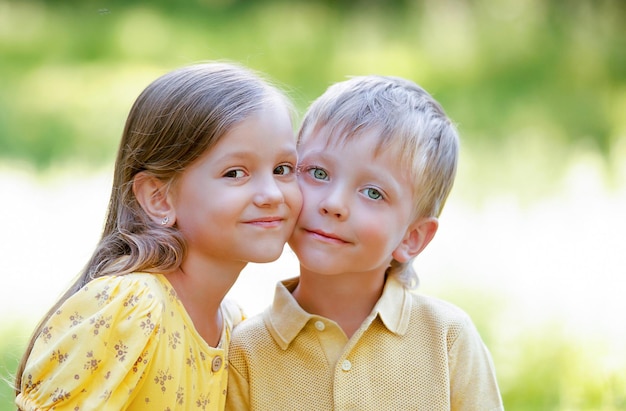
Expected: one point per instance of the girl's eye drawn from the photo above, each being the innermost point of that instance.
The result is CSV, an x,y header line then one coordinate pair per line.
x,y
284,169
318,173
235,174
373,193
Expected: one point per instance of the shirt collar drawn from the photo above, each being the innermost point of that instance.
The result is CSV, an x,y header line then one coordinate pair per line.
x,y
285,318
394,306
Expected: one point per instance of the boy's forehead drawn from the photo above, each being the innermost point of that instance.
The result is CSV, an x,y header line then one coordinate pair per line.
x,y
333,136
322,134
328,138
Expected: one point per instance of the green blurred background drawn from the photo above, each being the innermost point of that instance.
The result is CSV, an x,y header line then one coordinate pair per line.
x,y
532,241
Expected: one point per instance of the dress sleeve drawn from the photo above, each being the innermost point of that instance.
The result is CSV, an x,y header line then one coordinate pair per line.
x,y
95,349
473,384
233,312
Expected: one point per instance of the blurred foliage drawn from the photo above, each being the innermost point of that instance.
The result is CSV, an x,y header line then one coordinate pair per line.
x,y
544,365
12,343
504,70
532,85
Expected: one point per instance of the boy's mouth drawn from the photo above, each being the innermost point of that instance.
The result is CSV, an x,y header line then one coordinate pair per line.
x,y
326,237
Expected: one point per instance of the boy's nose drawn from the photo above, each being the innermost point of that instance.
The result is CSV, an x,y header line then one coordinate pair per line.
x,y
334,205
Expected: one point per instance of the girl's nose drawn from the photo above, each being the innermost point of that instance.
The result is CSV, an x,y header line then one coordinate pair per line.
x,y
268,193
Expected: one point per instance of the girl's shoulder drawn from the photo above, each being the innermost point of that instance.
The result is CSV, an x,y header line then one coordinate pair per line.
x,y
124,297
96,344
133,280
135,286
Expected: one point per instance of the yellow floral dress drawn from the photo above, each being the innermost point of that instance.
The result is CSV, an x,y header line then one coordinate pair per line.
x,y
126,342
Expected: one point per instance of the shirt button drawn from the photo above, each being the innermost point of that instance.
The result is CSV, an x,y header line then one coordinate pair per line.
x,y
319,325
346,365
216,364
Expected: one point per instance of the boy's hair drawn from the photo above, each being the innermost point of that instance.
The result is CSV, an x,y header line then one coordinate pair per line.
x,y
409,121
175,119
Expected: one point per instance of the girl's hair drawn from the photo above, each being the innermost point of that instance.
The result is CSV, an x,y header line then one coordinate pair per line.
x,y
409,121
176,119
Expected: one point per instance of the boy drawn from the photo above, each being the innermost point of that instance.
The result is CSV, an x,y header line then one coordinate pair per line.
x,y
377,160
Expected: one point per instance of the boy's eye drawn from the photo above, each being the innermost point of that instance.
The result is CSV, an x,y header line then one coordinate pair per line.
x,y
235,174
318,173
283,169
373,193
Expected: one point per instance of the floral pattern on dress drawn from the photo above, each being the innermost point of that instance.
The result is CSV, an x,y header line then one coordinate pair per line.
x,y
124,342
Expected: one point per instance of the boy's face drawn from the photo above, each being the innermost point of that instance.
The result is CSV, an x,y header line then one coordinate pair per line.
x,y
357,206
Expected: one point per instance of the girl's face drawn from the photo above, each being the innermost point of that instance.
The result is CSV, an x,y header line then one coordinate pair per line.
x,y
239,201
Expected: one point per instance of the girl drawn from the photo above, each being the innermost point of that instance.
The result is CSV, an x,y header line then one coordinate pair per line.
x,y
204,183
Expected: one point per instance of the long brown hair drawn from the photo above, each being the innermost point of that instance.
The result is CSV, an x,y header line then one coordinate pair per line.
x,y
174,121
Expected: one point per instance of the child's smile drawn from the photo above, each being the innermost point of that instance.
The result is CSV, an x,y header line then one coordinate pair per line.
x,y
356,205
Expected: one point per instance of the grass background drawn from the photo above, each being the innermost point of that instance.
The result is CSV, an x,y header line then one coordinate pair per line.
x,y
531,242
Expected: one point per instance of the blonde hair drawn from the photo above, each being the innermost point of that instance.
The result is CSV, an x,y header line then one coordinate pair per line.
x,y
407,120
176,118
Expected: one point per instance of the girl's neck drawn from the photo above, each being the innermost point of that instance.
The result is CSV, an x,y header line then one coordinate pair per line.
x,y
201,289
346,299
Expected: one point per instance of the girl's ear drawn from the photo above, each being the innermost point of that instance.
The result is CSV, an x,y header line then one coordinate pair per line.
x,y
417,237
152,195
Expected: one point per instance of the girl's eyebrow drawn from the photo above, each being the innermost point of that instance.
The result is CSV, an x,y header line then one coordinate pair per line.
x,y
288,152
248,153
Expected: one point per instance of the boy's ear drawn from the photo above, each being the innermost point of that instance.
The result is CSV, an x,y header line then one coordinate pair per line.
x,y
152,195
417,237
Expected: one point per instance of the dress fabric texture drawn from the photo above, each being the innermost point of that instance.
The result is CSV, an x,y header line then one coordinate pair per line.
x,y
126,342
413,352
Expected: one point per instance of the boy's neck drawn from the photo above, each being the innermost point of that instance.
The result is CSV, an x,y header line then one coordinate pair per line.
x,y
346,299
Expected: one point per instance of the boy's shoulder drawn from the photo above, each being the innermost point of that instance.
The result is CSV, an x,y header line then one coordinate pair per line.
x,y
250,332
253,323
435,313
428,304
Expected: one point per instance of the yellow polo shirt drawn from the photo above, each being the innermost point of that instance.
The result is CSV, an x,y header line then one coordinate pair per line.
x,y
412,352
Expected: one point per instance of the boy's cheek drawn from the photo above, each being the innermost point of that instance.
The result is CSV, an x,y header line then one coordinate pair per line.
x,y
307,190
301,179
298,202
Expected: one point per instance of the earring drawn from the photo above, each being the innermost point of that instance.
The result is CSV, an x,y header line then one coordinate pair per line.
x,y
165,220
